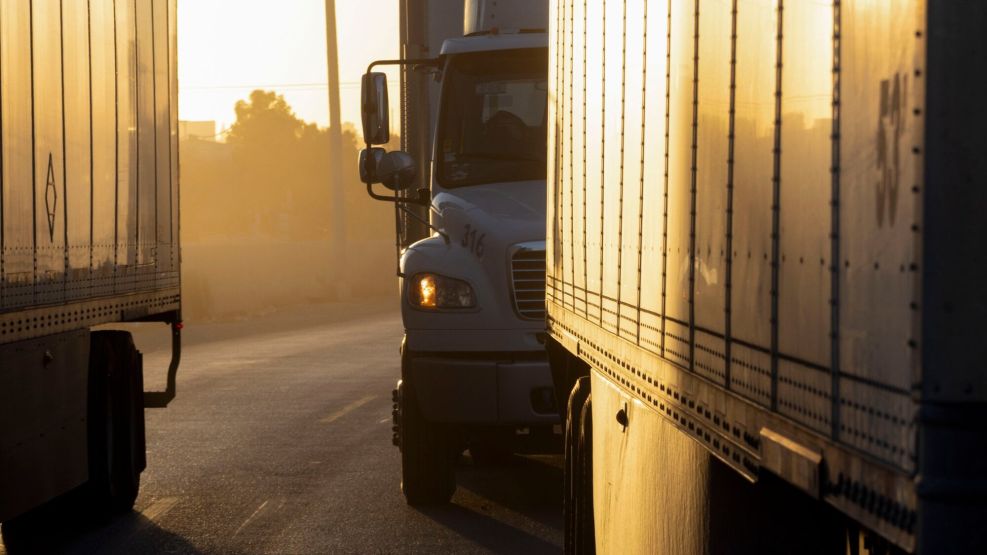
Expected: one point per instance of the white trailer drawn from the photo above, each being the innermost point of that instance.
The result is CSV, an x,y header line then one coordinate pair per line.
x,y
764,228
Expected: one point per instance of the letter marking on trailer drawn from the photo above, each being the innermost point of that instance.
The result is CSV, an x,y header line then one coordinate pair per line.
x,y
890,131
347,409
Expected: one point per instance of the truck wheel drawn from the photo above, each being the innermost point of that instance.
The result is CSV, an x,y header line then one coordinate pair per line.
x,y
427,461
116,422
577,507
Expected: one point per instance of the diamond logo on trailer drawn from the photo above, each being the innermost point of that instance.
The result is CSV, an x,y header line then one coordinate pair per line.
x,y
51,198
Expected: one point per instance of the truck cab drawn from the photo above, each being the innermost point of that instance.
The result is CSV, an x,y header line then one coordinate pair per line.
x,y
474,372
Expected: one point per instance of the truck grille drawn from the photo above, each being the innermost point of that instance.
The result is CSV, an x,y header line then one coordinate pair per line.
x,y
528,275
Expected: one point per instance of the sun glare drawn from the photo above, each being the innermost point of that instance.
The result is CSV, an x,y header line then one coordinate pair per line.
x,y
228,49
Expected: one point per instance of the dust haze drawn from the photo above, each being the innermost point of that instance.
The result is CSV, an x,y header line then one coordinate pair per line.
x,y
257,209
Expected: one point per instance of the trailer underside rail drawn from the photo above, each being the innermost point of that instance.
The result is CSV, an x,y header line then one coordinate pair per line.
x,y
46,320
747,437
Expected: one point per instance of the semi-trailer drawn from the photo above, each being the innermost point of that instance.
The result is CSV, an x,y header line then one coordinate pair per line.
x,y
89,237
764,274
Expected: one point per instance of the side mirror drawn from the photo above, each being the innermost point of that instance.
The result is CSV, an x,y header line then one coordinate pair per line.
x,y
369,160
374,108
397,170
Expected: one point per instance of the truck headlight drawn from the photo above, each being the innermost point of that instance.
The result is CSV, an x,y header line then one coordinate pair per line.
x,y
435,291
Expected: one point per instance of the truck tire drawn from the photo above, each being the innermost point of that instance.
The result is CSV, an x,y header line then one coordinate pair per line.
x,y
116,422
427,459
580,537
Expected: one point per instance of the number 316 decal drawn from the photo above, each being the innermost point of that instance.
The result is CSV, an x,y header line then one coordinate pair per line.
x,y
473,241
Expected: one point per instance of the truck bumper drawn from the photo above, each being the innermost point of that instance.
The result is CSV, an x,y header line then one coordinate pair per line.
x,y
472,388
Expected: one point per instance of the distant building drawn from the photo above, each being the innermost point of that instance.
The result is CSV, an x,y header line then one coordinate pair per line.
x,y
198,130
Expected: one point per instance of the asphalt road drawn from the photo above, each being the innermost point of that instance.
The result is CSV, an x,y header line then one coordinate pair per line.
x,y
280,442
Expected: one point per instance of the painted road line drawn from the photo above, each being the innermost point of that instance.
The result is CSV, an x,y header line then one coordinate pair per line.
x,y
159,508
152,514
250,518
347,409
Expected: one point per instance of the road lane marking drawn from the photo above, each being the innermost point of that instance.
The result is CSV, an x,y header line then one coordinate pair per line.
x,y
152,515
251,517
159,508
347,409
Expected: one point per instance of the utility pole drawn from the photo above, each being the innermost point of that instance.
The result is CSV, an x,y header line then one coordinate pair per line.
x,y
337,243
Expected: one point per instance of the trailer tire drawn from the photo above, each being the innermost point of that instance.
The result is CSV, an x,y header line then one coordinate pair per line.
x,y
580,537
116,422
427,457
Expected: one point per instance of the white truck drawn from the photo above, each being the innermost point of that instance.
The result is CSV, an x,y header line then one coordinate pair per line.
x,y
765,274
474,371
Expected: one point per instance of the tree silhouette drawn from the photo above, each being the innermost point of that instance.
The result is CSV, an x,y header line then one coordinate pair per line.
x,y
263,200
266,120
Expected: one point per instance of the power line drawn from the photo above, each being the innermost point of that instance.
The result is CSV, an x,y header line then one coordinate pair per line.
x,y
263,86
282,86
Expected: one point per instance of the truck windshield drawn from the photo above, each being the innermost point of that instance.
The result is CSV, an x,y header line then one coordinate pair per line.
x,y
492,126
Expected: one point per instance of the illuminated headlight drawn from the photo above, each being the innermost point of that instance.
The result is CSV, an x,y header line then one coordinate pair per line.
x,y
435,291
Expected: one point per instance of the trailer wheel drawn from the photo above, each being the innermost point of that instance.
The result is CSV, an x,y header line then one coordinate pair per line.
x,y
116,422
427,458
580,537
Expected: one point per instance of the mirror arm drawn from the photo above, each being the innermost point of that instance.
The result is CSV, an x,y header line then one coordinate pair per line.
x,y
434,62
426,223
396,199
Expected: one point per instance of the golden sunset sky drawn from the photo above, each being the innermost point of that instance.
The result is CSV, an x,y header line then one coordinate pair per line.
x,y
227,48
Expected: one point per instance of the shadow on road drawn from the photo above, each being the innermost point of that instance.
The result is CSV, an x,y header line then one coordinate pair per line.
x,y
488,532
491,497
62,525
531,486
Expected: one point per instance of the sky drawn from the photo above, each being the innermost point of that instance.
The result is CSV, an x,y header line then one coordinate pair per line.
x,y
227,48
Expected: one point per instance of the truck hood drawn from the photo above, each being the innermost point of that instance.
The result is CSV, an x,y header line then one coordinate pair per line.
x,y
506,213
485,224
